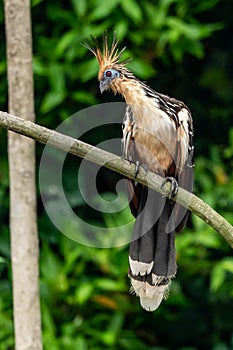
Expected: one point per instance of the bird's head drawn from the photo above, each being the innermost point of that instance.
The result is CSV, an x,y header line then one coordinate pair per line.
x,y
108,77
112,69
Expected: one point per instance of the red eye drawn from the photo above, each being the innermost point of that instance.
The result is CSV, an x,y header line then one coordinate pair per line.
x,y
108,73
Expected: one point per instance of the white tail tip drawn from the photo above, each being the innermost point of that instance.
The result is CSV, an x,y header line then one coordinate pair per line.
x,y
150,296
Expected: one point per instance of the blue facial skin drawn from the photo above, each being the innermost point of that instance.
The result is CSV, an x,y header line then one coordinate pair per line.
x,y
108,76
111,74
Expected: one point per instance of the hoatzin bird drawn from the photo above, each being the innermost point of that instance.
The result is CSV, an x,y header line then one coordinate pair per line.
x,y
157,134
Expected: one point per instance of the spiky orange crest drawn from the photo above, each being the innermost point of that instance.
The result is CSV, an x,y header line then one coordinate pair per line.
x,y
109,56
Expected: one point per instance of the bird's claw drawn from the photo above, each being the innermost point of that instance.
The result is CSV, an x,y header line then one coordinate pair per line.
x,y
130,159
137,166
174,186
136,171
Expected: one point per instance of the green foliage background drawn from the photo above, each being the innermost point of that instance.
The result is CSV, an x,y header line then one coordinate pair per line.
x,y
183,48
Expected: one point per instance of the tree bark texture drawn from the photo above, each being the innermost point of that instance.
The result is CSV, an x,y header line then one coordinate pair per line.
x,y
21,151
120,165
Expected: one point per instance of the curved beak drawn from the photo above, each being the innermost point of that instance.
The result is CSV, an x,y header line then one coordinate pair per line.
x,y
104,85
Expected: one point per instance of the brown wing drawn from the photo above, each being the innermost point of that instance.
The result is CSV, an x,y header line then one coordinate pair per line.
x,y
182,168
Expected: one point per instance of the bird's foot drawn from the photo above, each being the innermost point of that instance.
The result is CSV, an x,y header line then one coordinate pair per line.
x,y
136,171
130,159
174,186
137,166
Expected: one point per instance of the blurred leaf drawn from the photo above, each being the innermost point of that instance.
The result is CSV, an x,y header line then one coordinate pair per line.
x,y
65,41
219,271
56,77
103,9
2,67
52,100
109,337
80,7
57,93
88,69
2,260
121,29
221,346
52,272
49,334
83,292
192,31
217,278
141,68
84,97
228,152
132,10
36,2
109,285
205,5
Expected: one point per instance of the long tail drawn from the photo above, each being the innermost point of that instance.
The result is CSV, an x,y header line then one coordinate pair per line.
x,y
152,255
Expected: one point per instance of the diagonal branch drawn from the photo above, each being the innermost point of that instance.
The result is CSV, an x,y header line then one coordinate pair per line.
x,y
119,165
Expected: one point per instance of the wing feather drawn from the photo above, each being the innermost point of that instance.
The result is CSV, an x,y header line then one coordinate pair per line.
x,y
181,168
